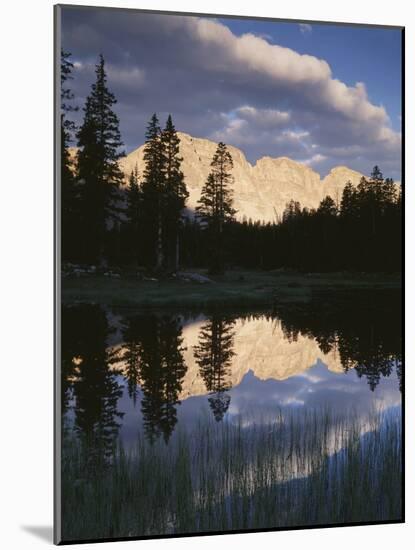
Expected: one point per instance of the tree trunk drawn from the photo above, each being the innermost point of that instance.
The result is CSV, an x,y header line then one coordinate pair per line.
x,y
176,253
159,244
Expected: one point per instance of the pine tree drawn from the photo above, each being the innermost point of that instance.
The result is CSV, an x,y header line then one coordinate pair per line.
x,y
175,193
327,207
67,126
69,195
134,214
368,199
349,232
376,176
389,192
348,200
99,141
215,204
325,232
153,194
292,210
208,209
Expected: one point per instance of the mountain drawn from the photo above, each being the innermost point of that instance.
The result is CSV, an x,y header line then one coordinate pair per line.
x,y
262,190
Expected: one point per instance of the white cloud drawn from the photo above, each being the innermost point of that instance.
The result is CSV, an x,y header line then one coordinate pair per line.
x,y
344,113
255,55
305,28
315,159
235,131
131,76
266,129
266,118
285,67
292,135
265,98
124,76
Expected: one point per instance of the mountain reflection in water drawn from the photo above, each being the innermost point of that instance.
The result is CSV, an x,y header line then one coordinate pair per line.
x,y
126,372
185,423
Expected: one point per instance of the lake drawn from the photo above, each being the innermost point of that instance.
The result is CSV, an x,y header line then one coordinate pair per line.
x,y
197,421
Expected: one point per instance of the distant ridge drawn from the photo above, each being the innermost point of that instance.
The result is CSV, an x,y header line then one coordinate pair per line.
x,y
261,191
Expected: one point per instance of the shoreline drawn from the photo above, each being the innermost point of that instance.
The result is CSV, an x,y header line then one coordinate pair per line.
x,y
238,288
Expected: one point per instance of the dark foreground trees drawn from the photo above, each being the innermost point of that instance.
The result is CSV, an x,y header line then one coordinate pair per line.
x,y
133,229
69,192
362,233
99,175
164,196
176,194
215,207
140,220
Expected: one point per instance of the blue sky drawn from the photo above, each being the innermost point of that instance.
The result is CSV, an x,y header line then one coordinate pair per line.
x,y
324,95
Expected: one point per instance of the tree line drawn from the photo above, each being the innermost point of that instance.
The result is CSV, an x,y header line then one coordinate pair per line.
x,y
142,224
363,232
145,224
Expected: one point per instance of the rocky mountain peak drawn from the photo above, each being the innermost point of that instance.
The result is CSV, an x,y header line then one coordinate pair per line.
x,y
262,190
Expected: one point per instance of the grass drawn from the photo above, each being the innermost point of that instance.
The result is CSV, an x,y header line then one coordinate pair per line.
x,y
236,288
303,468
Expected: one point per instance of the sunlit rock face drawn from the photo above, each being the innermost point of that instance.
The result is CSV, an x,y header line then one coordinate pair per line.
x,y
262,191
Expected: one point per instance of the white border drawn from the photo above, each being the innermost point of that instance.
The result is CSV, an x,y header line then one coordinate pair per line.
x,y
26,229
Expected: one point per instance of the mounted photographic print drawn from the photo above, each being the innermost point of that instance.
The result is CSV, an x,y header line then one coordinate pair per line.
x,y
228,274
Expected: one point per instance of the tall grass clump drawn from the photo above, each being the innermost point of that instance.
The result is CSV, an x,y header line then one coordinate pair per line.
x,y
299,469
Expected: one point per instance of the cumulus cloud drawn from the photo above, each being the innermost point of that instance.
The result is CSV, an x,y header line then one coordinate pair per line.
x,y
235,131
265,118
249,125
305,28
130,76
263,97
315,159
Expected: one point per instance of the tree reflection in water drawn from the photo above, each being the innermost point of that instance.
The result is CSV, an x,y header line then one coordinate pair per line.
x,y
364,328
154,359
213,355
90,380
366,337
215,474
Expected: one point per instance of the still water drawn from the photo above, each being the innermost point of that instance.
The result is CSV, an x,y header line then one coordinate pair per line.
x,y
268,398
